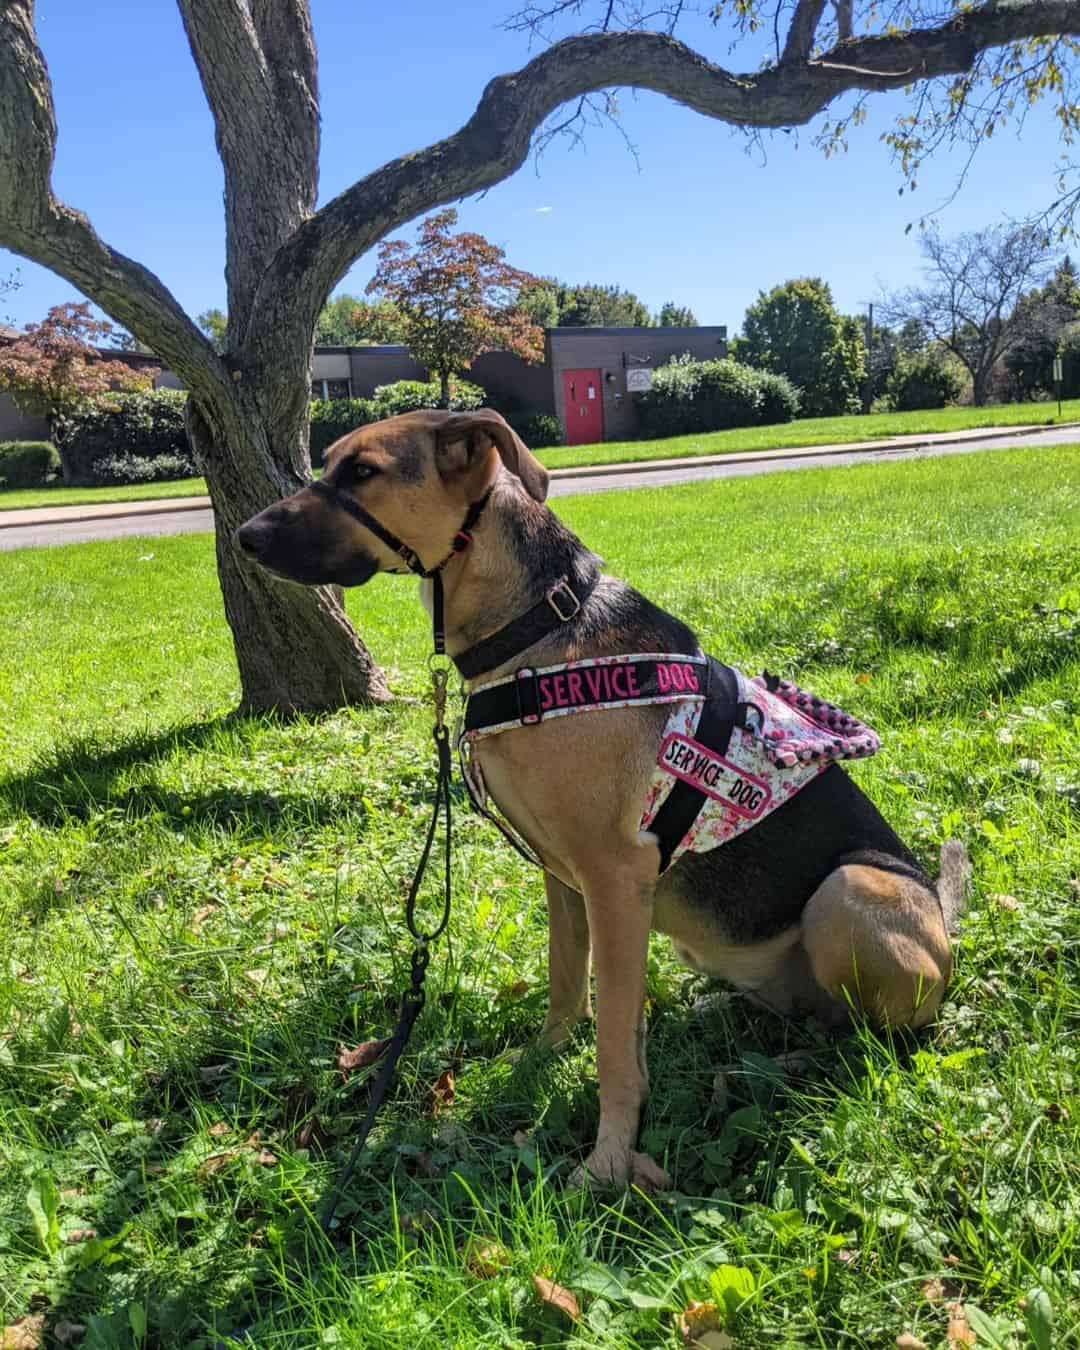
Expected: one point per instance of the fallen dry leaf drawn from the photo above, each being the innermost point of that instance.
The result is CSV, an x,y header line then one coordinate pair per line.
x,y
367,1052
314,1134
485,1257
80,1235
66,1332
257,976
1003,901
222,1127
714,1340
210,1073
201,915
697,1320
513,991
906,1341
556,1296
934,1290
25,1333
522,1140
217,1161
443,1090
265,1158
1056,1112
959,1333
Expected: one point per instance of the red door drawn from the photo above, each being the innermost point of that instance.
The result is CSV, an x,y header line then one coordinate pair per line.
x,y
584,407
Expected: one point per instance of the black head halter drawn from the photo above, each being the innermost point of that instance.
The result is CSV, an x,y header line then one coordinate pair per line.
x,y
409,556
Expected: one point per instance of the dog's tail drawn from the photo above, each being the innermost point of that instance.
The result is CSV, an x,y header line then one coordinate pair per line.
x,y
954,882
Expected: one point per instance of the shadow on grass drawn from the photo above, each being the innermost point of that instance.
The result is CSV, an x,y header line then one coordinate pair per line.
x,y
250,1228
83,779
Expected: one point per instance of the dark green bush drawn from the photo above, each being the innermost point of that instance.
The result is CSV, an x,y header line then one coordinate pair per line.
x,y
113,469
413,395
690,396
537,429
143,425
336,417
926,379
27,464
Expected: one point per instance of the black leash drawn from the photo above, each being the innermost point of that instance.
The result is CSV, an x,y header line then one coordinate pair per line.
x,y
412,1001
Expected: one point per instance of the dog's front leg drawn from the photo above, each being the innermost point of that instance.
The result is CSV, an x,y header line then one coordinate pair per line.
x,y
619,907
568,961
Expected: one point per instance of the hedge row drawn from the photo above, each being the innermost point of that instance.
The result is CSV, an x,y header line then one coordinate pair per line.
x,y
27,464
691,396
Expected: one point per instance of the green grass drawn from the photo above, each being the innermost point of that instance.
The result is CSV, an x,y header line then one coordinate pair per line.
x,y
21,499
198,909
814,431
810,431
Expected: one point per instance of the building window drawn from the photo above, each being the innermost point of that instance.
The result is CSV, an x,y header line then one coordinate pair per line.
x,y
331,389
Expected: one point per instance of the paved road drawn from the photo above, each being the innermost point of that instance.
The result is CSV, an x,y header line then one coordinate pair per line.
x,y
188,522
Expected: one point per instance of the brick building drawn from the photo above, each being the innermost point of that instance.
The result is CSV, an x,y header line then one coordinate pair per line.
x,y
586,379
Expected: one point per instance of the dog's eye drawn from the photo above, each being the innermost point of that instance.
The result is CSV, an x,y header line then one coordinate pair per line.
x,y
362,472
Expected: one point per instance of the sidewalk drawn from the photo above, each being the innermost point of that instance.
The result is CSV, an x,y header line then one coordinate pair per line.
x,y
58,515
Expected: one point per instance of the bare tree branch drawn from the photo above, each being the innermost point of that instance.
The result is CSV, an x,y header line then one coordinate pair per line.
x,y
257,65
804,22
495,140
34,223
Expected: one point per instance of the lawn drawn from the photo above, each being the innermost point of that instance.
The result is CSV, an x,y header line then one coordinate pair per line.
x,y
200,910
809,431
814,431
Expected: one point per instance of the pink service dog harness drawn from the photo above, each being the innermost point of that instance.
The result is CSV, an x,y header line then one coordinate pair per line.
x,y
733,748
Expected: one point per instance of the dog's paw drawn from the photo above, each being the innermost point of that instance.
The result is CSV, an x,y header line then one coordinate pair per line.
x,y
607,1168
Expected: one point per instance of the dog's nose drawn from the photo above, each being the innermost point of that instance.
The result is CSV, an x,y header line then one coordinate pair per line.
x,y
252,538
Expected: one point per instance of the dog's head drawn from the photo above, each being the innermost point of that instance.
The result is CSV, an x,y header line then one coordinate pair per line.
x,y
416,475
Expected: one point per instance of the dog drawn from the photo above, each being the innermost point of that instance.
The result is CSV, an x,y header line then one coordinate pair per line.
x,y
817,909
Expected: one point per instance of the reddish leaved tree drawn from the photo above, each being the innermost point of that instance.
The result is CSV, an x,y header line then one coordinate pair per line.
x,y
457,297
55,369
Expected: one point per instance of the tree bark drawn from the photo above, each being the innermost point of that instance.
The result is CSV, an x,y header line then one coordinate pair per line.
x,y
295,648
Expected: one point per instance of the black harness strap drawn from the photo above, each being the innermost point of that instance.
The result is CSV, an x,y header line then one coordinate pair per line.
x,y
533,694
720,714
559,604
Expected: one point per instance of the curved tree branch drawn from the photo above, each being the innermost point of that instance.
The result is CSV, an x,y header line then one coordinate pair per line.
x,y
495,140
804,22
256,60
34,223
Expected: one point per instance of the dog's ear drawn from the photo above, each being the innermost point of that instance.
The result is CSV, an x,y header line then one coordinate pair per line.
x,y
464,436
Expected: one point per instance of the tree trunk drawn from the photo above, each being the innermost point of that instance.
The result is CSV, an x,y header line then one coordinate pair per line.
x,y
444,389
980,386
296,650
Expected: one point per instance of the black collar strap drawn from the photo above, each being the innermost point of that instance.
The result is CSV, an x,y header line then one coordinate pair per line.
x,y
559,604
410,557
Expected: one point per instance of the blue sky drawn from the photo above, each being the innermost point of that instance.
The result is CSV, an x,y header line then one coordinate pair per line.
x,y
701,221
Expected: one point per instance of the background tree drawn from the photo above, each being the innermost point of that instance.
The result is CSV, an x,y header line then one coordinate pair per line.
x,y
676,316
215,324
1049,323
541,303
796,330
55,369
457,298
348,321
8,286
591,306
968,302
965,65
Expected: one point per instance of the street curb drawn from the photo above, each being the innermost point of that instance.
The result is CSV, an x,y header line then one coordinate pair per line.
x,y
107,511
879,446
29,516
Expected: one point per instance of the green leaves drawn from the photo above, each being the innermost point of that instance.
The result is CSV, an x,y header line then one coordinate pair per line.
x,y
43,1202
732,1287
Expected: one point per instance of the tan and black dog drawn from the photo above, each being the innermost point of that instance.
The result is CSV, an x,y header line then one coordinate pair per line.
x,y
818,909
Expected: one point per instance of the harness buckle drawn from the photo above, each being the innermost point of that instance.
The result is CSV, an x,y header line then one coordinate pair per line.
x,y
563,587
528,697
